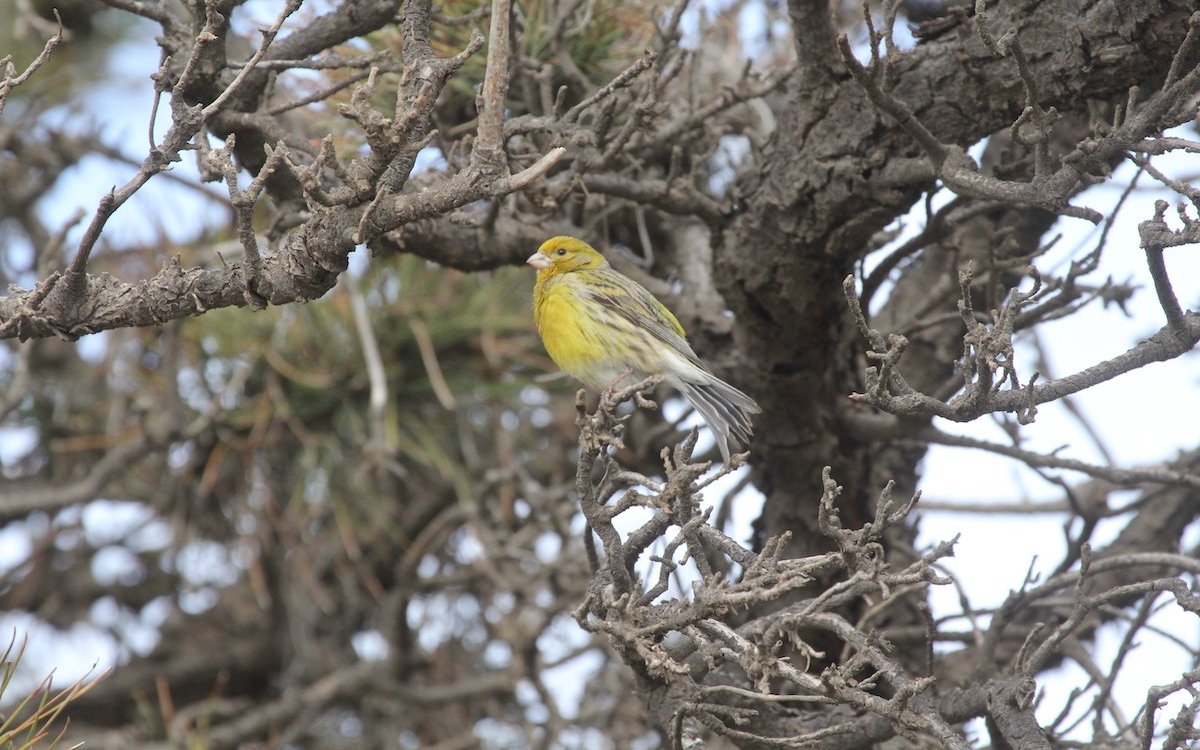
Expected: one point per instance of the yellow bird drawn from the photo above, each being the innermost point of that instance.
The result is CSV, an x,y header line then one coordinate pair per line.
x,y
599,325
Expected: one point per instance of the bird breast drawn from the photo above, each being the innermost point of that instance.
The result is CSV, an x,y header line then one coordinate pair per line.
x,y
585,339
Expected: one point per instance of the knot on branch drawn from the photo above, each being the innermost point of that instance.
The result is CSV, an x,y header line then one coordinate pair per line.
x,y
1155,233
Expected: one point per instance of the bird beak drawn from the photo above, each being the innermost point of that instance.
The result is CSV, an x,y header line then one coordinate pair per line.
x,y
538,260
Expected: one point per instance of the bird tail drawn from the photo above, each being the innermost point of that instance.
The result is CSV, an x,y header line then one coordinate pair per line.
x,y
726,410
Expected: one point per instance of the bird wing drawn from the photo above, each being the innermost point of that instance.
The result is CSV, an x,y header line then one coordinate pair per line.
x,y
634,303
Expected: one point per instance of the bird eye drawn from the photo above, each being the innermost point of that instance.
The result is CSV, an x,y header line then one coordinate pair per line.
x,y
562,251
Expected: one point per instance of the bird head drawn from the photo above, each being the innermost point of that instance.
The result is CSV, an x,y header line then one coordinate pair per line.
x,y
566,254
